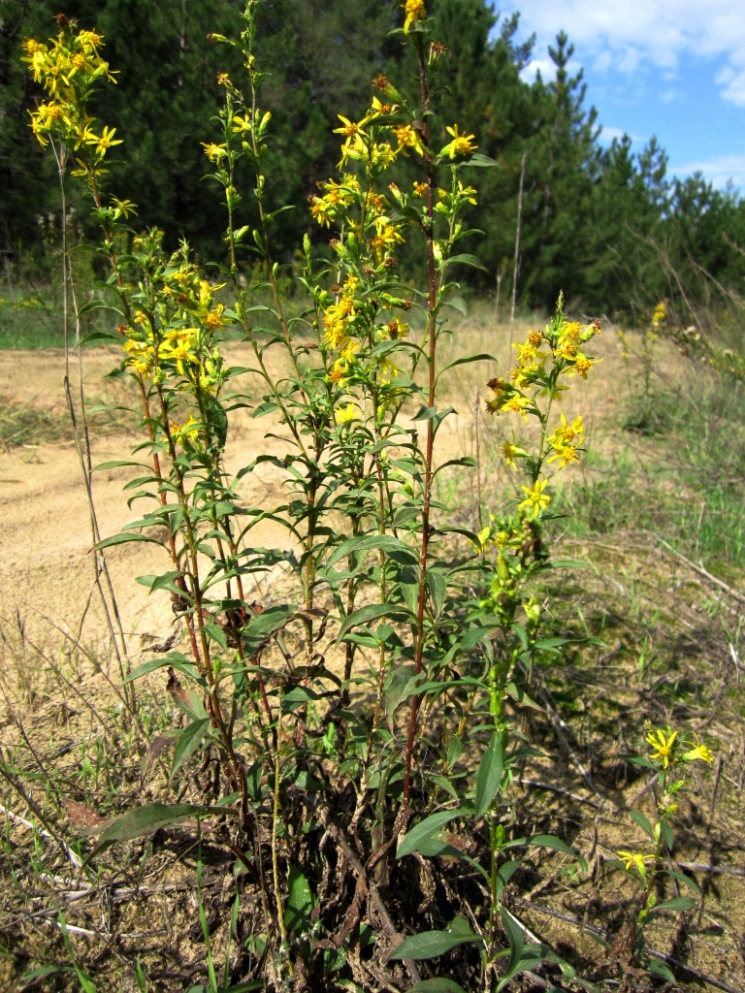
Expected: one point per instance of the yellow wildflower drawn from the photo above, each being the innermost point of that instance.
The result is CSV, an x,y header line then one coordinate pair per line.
x,y
660,314
349,412
568,434
106,141
213,151
510,452
349,128
414,10
536,499
517,404
662,745
581,364
699,753
387,237
407,137
462,144
636,860
383,154
565,454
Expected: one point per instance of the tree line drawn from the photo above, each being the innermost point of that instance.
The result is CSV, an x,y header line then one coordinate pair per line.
x,y
605,224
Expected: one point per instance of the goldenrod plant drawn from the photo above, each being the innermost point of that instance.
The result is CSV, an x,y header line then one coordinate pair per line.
x,y
372,704
668,760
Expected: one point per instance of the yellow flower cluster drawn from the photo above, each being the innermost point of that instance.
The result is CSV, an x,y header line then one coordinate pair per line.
x,y
414,11
172,340
338,197
67,68
664,748
338,319
565,441
349,327
561,342
659,316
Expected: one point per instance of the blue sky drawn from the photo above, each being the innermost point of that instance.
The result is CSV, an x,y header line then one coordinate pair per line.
x,y
670,68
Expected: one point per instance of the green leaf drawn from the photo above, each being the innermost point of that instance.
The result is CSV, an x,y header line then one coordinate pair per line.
x,y
426,829
264,625
401,685
459,304
175,660
661,970
300,902
166,581
678,904
123,538
470,260
120,464
145,820
478,159
667,834
465,360
490,774
371,612
643,823
685,880
430,944
516,941
188,742
437,585
557,845
382,542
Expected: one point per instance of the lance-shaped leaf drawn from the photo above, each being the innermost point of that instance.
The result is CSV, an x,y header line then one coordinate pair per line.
x,y
146,820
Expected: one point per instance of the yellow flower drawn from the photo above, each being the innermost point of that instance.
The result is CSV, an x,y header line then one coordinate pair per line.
x,y
568,434
350,129
518,404
188,431
525,352
213,151
662,745
414,10
510,453
462,144
241,125
581,364
407,137
536,500
106,141
349,412
660,314
565,454
699,753
636,860
387,237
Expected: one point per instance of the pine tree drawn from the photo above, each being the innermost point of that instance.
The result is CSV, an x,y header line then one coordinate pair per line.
x,y
562,168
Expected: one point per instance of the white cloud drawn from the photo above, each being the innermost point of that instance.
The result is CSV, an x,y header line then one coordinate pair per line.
x,y
718,171
732,81
658,33
608,135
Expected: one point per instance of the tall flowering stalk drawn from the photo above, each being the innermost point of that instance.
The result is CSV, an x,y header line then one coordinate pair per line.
x,y
359,404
